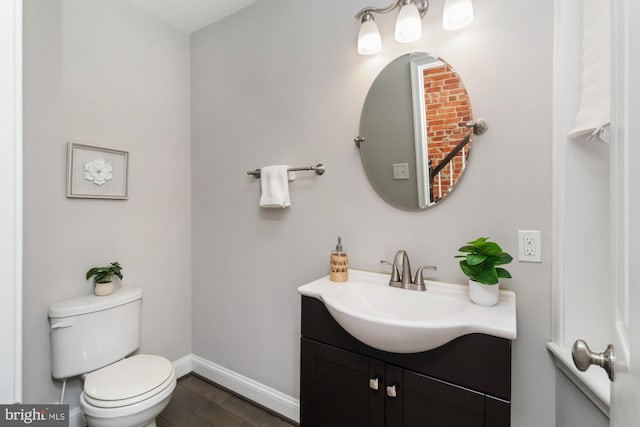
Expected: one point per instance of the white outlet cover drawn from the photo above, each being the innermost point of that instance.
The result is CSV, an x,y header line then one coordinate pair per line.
x,y
529,246
401,171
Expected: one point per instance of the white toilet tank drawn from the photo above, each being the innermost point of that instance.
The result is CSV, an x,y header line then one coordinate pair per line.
x,y
90,332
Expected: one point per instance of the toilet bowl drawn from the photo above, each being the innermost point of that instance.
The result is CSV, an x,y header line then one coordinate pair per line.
x,y
94,337
128,393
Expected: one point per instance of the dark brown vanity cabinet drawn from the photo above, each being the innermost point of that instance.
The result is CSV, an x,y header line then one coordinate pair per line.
x,y
345,383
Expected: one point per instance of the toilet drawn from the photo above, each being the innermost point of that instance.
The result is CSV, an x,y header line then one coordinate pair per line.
x,y
94,337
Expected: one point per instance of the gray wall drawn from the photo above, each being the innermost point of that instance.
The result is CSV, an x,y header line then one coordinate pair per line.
x,y
573,407
104,73
280,82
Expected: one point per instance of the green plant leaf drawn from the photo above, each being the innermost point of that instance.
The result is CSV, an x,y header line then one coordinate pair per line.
x,y
502,273
493,259
490,248
478,242
473,259
488,276
470,270
467,249
91,272
465,270
504,258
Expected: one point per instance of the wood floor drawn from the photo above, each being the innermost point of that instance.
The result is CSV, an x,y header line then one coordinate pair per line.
x,y
198,403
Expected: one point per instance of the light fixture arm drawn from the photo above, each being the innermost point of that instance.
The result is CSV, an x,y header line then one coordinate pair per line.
x,y
423,6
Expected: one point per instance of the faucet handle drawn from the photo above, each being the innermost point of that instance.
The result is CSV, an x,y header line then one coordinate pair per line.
x,y
418,283
395,274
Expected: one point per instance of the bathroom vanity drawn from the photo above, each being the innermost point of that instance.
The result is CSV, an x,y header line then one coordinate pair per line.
x,y
346,383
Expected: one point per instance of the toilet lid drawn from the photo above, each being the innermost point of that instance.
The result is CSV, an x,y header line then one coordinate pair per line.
x,y
128,378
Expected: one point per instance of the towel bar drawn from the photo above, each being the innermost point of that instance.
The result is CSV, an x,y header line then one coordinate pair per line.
x,y
319,170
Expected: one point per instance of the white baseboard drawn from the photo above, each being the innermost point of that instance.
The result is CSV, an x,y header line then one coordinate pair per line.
x,y
266,396
183,366
75,417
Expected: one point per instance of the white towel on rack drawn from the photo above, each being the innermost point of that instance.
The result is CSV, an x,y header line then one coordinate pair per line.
x,y
275,187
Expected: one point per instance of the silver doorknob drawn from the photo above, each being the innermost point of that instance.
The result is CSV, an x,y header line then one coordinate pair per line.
x,y
583,357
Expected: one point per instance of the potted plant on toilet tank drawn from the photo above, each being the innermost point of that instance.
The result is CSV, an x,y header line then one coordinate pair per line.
x,y
481,258
102,278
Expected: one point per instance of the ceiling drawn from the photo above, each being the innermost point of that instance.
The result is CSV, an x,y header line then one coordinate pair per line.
x,y
191,15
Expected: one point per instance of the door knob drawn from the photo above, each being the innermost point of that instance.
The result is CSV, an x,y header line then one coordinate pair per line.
x,y
373,383
583,357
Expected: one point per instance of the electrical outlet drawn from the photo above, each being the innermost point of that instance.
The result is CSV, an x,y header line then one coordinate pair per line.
x,y
401,171
529,246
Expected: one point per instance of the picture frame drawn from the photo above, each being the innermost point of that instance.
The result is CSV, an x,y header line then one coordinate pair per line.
x,y
97,172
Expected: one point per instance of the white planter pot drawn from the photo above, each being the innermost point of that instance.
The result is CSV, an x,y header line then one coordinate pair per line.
x,y
486,295
103,289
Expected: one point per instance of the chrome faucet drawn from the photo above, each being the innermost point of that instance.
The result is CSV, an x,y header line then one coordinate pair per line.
x,y
401,273
401,260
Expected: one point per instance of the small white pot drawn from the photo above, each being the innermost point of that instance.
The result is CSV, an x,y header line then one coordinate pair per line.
x,y
103,289
486,295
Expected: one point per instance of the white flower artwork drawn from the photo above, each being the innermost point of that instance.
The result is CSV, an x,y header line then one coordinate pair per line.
x,y
98,171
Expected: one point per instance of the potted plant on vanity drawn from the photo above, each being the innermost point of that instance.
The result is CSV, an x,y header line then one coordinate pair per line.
x,y
102,278
479,264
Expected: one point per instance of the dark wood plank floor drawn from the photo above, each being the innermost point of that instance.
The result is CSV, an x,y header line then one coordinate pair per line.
x,y
198,403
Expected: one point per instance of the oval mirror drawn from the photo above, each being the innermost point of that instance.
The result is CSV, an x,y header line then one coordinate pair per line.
x,y
414,136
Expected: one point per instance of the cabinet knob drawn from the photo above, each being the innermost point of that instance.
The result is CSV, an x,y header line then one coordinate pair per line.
x,y
391,391
373,383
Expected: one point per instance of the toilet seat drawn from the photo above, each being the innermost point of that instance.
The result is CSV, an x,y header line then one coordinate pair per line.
x,y
137,381
125,411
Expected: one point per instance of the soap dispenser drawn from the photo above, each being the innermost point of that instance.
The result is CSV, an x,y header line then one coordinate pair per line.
x,y
339,263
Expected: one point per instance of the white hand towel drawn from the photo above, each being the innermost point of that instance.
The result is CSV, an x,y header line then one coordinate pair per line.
x,y
275,187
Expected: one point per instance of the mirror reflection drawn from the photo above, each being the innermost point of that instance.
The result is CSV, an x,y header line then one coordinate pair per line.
x,y
415,141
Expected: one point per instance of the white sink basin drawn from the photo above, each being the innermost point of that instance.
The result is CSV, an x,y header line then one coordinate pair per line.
x,y
405,321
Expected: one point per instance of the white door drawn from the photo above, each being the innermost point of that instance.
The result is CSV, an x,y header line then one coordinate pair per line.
x,y
625,215
625,179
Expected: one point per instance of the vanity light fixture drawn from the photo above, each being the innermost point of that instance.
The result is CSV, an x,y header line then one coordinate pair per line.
x,y
409,22
369,40
457,14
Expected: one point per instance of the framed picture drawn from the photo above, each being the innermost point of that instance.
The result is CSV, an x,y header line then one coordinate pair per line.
x,y
96,172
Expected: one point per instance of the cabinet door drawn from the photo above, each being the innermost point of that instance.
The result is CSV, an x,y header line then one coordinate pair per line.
x,y
335,390
394,399
497,413
432,403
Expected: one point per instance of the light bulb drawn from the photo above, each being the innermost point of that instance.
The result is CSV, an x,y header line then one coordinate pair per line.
x,y
369,40
457,14
408,24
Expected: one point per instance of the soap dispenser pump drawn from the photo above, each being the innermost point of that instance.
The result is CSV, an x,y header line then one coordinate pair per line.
x,y
339,264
